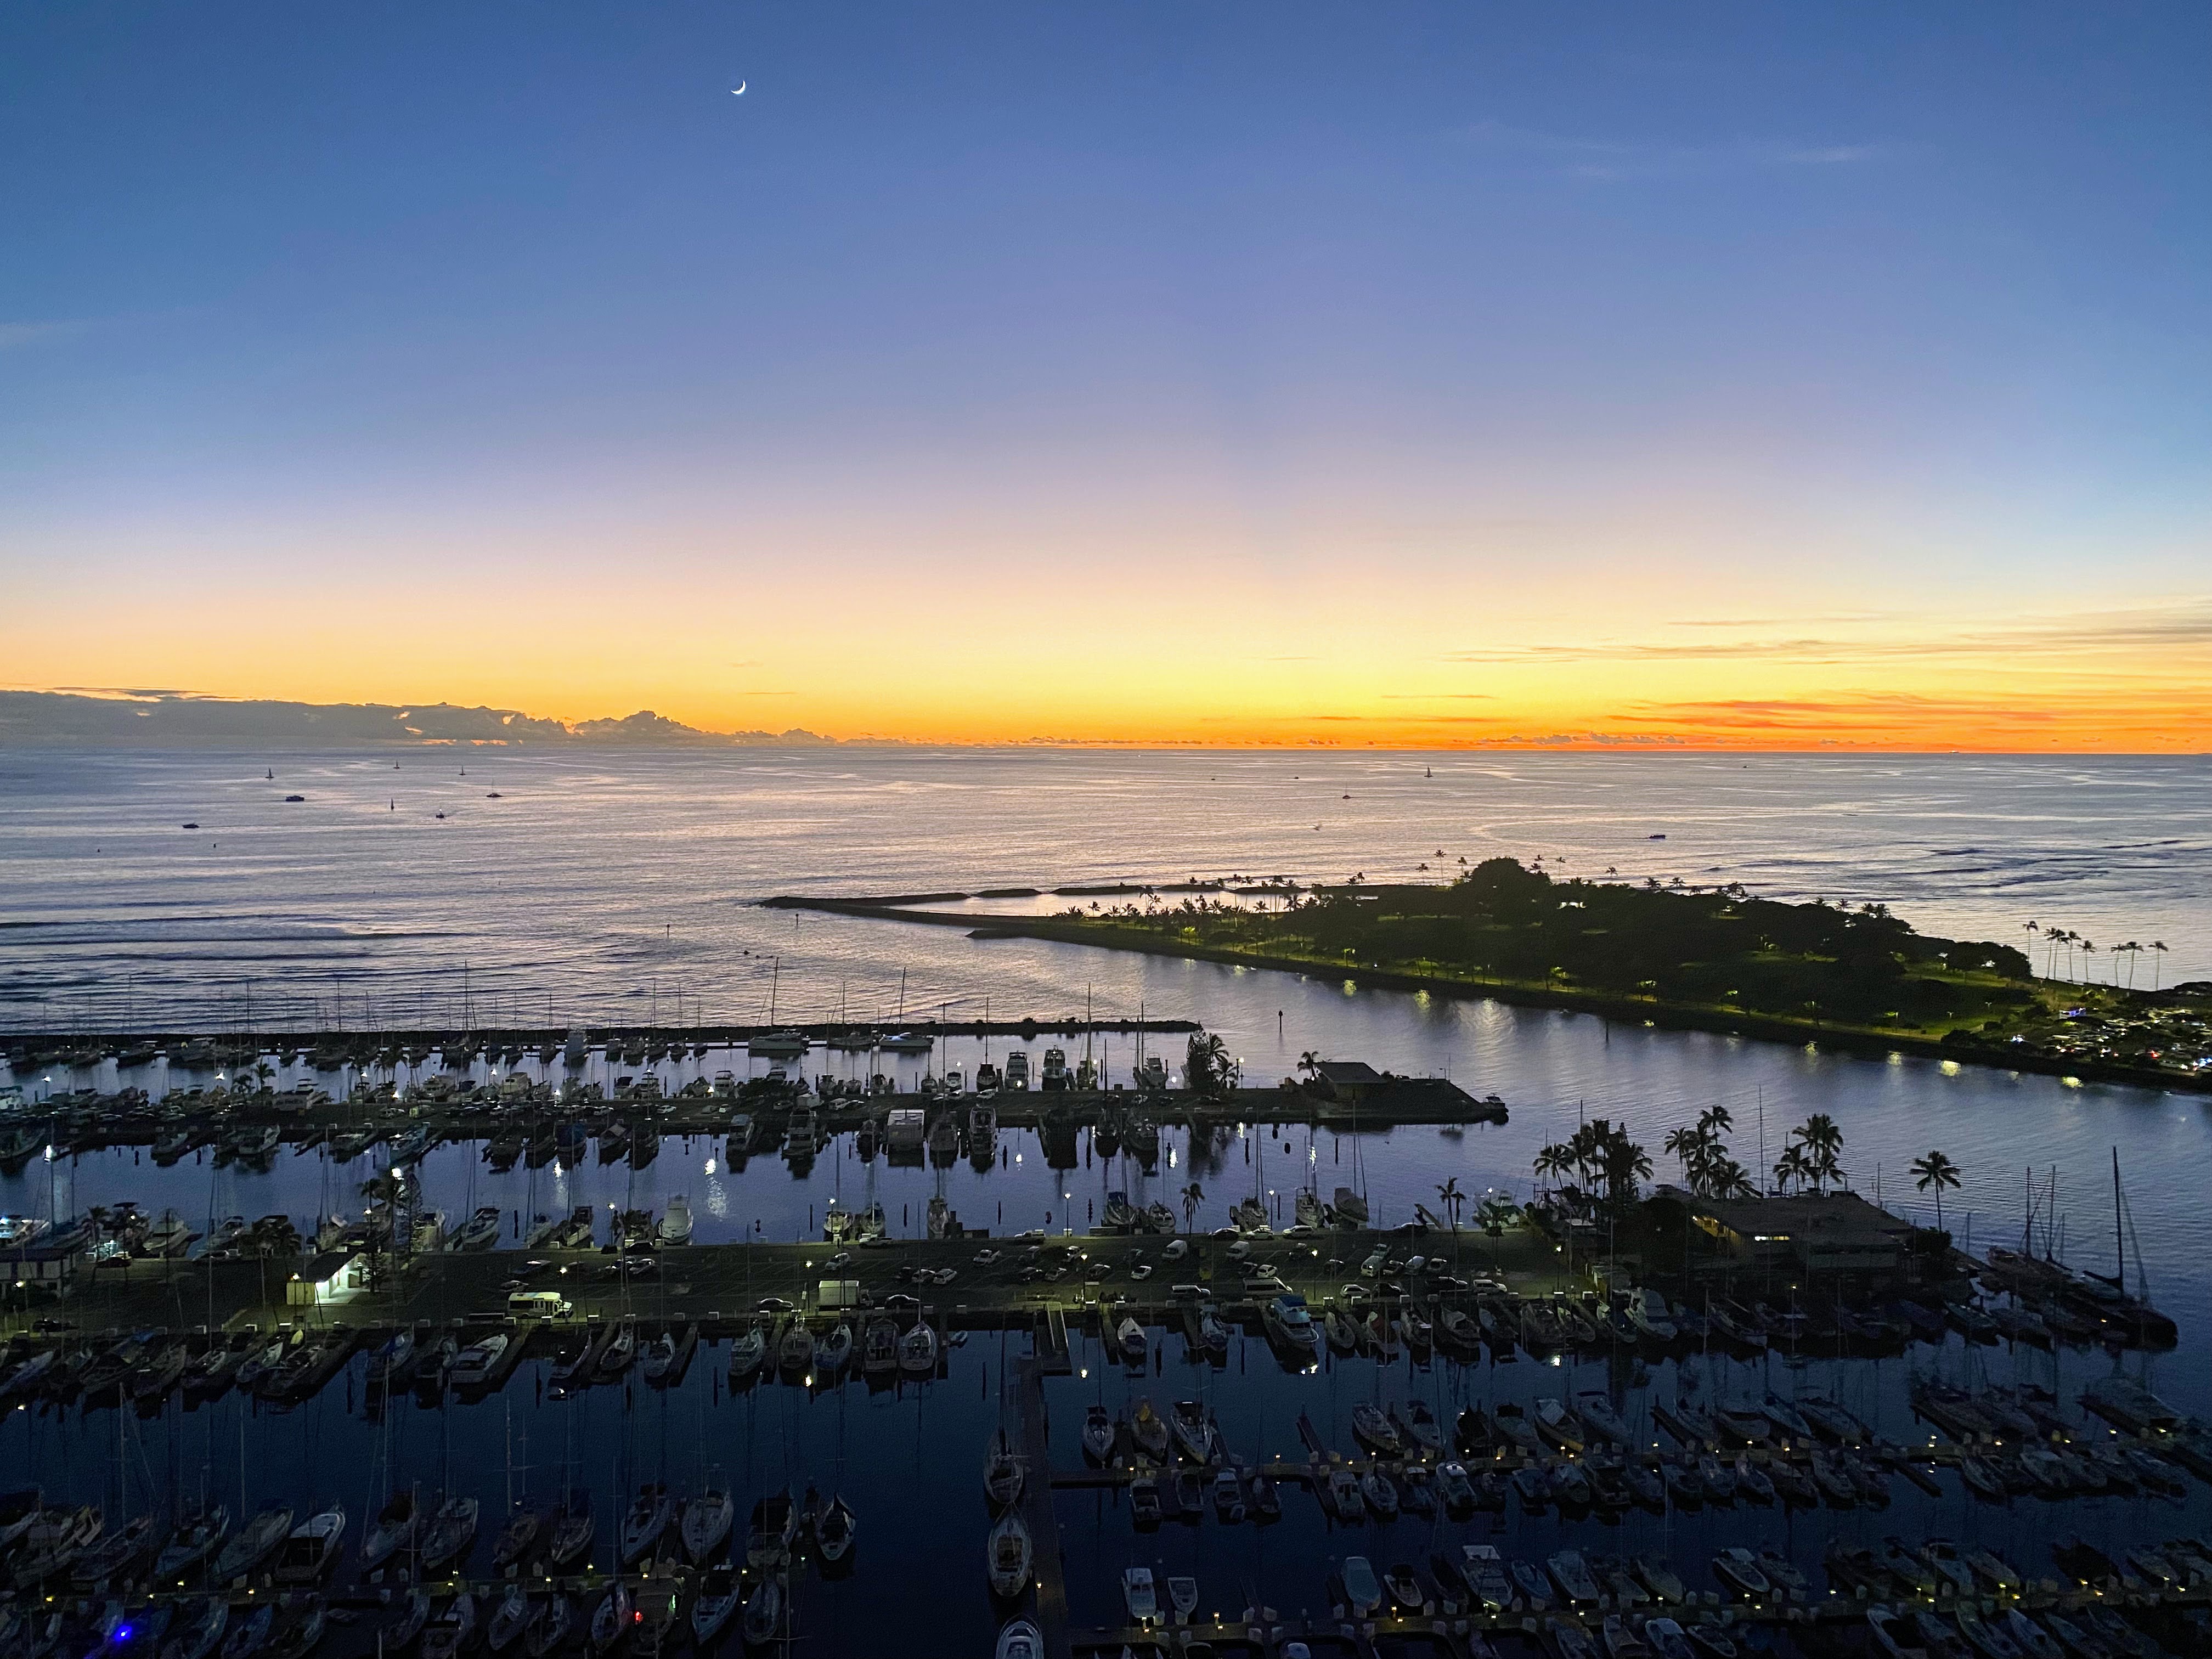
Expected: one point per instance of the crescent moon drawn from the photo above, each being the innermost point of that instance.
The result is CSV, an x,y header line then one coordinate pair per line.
x,y
738,91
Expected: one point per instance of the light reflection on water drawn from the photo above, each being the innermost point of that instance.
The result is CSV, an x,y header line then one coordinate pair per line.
x,y
1549,1066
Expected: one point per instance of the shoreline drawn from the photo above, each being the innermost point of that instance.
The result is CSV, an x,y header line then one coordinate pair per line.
x,y
1765,1028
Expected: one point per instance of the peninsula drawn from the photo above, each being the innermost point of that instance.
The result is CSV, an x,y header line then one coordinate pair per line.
x,y
1713,958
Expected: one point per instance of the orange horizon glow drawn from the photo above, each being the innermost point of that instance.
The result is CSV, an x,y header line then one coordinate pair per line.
x,y
1139,629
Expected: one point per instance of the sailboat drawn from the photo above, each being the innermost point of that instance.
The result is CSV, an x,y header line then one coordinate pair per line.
x,y
452,1530
917,1351
1007,1556
550,1626
720,1594
573,1531
1002,1471
611,1619
312,1549
836,1531
509,1620
763,1612
705,1524
642,1527
1097,1434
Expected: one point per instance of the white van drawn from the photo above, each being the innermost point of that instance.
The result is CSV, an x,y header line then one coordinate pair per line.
x,y
538,1305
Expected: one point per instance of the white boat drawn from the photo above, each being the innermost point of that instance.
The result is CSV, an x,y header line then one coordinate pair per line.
x,y
674,1228
550,1626
1006,1556
574,1528
795,1357
1740,1570
705,1524
1140,1597
837,1529
414,1615
622,1348
1573,1577
1648,1312
1182,1596
1002,1470
1192,1431
167,1236
747,1352
250,1633
474,1367
452,1531
763,1612
721,1593
509,1620
611,1619
1290,1323
1598,1415
256,1541
917,1351
1020,1640
834,1352
199,1537
392,1531
1129,1337
313,1548
1149,1430
451,1630
647,1518
1097,1434
479,1233
1363,1591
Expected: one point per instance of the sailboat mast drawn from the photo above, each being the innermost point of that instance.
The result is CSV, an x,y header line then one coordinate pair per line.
x,y
2120,1233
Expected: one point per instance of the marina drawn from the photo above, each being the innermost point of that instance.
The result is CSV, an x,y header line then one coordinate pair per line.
x,y
1544,1448
1482,1539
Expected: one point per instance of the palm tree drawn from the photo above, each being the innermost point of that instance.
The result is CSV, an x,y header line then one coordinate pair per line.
x,y
1716,1119
1451,1198
2158,945
1193,1196
1553,1161
1938,1171
384,1189
1623,1163
1685,1146
1207,1067
1792,1166
1729,1179
1309,1063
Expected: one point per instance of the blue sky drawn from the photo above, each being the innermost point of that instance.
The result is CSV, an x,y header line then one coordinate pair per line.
x,y
1893,312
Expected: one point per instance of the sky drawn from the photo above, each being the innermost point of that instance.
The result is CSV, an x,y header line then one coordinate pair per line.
x,y
1767,376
